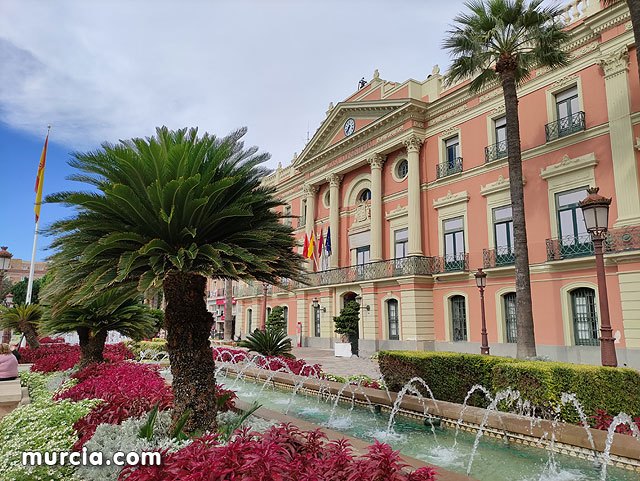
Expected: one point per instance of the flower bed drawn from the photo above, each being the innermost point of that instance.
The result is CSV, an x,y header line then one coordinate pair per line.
x,y
60,356
283,453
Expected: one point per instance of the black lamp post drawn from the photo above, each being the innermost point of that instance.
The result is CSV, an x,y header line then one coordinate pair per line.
x,y
595,209
316,304
481,282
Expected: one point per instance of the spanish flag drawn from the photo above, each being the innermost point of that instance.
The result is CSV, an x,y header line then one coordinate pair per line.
x,y
40,179
312,245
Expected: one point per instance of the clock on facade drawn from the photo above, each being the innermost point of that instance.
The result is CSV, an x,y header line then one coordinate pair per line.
x,y
349,127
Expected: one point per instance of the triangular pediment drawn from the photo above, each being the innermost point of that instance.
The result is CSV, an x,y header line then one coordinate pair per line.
x,y
331,131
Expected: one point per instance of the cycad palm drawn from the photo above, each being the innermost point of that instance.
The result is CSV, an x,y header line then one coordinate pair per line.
x,y
502,41
23,318
169,211
92,319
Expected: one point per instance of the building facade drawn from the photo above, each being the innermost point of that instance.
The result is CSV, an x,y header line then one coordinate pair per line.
x,y
216,294
412,180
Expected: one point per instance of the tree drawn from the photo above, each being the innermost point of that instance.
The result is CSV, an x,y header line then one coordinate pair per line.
x,y
19,290
276,320
347,323
634,11
167,212
25,319
92,319
502,41
228,309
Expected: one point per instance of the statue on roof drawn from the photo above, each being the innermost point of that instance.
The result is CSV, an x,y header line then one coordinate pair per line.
x,y
362,83
376,75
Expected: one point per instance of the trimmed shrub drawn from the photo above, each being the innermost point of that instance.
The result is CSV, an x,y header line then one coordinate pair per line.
x,y
613,390
450,375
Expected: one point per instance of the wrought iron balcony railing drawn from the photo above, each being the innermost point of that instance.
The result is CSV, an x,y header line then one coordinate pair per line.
x,y
499,257
617,240
449,167
453,262
565,126
495,151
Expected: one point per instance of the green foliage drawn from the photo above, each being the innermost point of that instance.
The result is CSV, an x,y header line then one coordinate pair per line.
x,y
109,310
227,429
36,383
268,343
39,426
276,321
499,35
158,316
450,375
19,290
347,321
335,378
20,316
614,390
175,202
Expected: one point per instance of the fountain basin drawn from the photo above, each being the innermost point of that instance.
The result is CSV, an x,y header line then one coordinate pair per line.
x,y
569,439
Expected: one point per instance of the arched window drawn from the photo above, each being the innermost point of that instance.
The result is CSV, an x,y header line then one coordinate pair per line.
x,y
585,318
365,195
285,315
249,319
509,300
458,318
394,324
402,169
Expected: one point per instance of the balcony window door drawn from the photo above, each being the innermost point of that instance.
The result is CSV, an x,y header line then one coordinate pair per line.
x,y
362,258
401,247
585,317
503,230
454,252
510,316
452,149
572,231
567,110
500,130
458,318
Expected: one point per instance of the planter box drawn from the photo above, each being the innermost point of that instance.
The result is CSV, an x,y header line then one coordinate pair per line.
x,y
342,349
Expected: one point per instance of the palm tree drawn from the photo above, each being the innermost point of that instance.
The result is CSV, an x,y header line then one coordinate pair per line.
x,y
634,11
169,211
503,41
24,318
92,319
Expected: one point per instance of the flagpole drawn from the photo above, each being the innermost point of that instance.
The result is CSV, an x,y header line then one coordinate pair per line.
x,y
35,234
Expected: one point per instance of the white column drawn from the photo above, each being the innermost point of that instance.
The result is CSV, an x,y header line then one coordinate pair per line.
x,y
625,167
334,218
310,192
376,162
413,144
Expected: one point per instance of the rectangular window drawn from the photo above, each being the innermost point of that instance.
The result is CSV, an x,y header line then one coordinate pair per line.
x,y
503,230
303,216
392,311
458,318
401,241
452,147
454,252
362,255
567,103
316,321
287,215
572,231
500,126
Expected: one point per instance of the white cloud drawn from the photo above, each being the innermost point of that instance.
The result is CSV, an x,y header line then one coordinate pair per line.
x,y
104,70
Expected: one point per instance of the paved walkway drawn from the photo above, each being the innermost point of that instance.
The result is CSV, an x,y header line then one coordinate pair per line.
x,y
341,366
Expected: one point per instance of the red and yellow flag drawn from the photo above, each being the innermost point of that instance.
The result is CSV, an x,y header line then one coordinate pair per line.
x,y
312,245
40,179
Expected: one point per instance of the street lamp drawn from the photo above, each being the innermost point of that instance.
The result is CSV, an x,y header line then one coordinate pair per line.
x,y
5,262
481,282
359,301
595,209
263,313
316,304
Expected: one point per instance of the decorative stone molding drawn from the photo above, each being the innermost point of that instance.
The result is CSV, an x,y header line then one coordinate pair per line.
x,y
563,81
493,187
362,212
615,62
568,164
449,132
637,146
590,47
335,180
490,95
399,211
500,109
448,114
376,161
330,108
309,190
413,143
451,199
628,26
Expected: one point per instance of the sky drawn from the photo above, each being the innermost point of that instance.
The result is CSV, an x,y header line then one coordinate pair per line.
x,y
104,70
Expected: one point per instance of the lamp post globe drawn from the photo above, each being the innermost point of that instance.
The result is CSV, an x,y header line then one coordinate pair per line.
x,y
595,209
5,260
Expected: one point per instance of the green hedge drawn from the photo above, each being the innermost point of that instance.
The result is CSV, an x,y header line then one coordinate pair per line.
x,y
451,375
613,389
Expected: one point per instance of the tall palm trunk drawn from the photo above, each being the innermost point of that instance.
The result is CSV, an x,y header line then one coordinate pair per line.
x,y
526,343
188,325
634,11
30,334
228,309
91,346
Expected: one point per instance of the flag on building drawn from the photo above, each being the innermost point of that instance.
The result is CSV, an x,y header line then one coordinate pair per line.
x,y
305,247
320,243
327,243
312,246
40,179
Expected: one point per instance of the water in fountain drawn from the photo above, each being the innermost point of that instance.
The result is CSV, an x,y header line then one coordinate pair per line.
x,y
332,422
573,399
296,387
403,392
474,388
506,395
619,420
